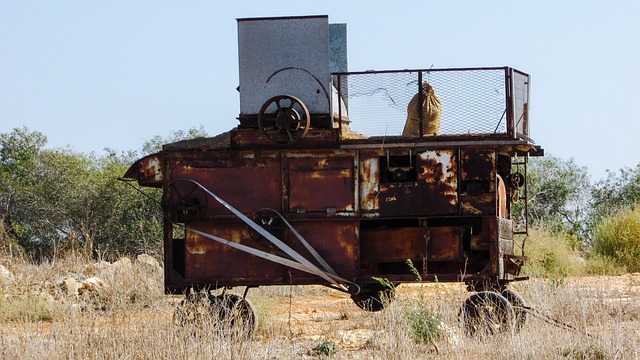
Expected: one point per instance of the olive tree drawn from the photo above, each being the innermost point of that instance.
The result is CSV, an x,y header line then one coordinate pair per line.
x,y
558,197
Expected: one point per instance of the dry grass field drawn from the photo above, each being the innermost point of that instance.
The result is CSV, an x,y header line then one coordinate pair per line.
x,y
129,317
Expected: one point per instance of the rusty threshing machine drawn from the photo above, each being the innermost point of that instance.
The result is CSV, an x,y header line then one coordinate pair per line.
x,y
323,182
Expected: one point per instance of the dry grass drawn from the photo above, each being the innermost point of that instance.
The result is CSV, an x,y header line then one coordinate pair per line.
x,y
131,318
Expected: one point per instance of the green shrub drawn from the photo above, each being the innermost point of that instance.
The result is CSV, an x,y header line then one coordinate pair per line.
x,y
326,348
618,237
598,264
551,255
26,307
424,322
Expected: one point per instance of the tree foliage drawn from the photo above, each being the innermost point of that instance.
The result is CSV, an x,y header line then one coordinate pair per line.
x,y
54,200
618,191
558,195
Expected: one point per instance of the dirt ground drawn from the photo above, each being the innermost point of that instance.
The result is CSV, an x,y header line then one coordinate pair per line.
x,y
323,314
299,318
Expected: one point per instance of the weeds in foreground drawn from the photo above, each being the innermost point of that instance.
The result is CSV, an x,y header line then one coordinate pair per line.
x,y
326,348
28,307
422,315
424,321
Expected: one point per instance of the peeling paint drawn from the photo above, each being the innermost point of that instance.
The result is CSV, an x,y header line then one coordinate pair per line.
x,y
369,184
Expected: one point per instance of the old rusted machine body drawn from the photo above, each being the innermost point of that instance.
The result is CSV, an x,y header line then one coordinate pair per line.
x,y
349,205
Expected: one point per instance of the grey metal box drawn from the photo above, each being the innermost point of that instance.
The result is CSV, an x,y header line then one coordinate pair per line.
x,y
284,56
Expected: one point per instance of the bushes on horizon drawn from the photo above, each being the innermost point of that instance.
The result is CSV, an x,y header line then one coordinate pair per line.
x,y
617,237
551,255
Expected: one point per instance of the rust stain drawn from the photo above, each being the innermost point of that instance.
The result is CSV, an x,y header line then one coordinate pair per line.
x,y
478,165
445,243
468,208
320,184
148,171
438,170
369,186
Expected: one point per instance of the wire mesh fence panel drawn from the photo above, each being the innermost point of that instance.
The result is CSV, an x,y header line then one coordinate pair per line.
x,y
473,101
521,102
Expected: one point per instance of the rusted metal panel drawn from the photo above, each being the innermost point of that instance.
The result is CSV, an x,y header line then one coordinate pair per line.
x,y
335,241
477,164
438,169
208,260
323,184
490,228
386,250
478,182
369,184
433,193
315,139
445,243
483,204
248,184
148,171
391,244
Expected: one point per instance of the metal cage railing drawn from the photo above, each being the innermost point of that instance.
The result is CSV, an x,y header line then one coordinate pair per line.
x,y
473,100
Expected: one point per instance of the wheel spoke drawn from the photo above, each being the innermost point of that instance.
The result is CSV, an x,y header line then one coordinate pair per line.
x,y
291,116
291,137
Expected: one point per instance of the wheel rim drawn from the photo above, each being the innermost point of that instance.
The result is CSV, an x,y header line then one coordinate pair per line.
x,y
237,313
373,297
487,313
519,307
284,119
228,313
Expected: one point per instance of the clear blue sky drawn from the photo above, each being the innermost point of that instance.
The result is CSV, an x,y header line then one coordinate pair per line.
x,y
110,74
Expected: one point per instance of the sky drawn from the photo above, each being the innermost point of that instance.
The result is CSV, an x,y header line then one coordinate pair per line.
x,y
92,75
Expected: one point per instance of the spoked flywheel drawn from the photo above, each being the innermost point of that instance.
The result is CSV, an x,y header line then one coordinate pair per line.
x,y
284,119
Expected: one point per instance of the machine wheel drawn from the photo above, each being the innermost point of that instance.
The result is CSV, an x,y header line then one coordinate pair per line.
x,y
374,297
237,313
284,119
487,313
194,309
229,313
269,220
519,307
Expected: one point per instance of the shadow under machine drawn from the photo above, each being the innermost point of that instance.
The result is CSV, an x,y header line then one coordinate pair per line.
x,y
338,178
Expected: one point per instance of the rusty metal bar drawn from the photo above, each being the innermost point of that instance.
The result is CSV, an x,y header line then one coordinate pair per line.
x,y
439,144
420,100
339,107
508,84
419,70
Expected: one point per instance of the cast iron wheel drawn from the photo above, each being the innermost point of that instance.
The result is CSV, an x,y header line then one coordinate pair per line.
x,y
194,309
487,313
519,307
269,220
284,119
229,313
237,314
374,297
